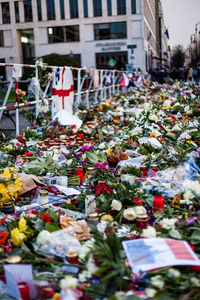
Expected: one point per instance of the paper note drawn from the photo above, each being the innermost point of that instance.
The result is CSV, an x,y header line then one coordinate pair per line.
x,y
18,273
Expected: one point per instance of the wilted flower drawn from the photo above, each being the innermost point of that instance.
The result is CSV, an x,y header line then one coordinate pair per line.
x,y
129,214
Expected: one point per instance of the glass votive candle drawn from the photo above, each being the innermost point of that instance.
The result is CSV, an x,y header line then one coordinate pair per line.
x,y
72,257
24,290
44,198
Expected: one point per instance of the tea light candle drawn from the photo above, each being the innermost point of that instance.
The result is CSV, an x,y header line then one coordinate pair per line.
x,y
47,291
93,218
158,203
24,290
72,257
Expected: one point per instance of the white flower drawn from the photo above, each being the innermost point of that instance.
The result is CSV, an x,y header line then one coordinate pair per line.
x,y
91,267
188,195
84,276
150,292
68,282
101,226
153,117
116,205
157,281
102,146
174,273
140,210
123,231
43,237
86,249
149,232
167,223
129,214
195,282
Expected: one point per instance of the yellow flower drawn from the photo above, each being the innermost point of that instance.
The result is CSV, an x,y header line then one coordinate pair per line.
x,y
22,225
189,142
110,149
2,188
17,237
7,173
107,218
116,121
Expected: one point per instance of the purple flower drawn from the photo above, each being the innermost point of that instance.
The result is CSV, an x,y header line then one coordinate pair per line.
x,y
191,220
184,93
76,155
102,166
86,148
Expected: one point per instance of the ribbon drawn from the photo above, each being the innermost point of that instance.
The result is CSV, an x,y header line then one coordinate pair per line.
x,y
102,187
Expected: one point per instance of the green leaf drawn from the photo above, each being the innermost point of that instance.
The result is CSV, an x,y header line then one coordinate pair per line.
x,y
196,235
93,158
51,227
175,234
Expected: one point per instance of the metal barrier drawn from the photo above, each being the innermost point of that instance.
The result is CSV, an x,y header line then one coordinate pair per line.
x,y
86,93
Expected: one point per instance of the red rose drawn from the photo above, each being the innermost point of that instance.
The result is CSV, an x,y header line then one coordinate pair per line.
x,y
137,201
27,153
74,126
52,136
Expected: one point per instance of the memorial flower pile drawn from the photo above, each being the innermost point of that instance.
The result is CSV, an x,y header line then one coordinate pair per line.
x,y
127,178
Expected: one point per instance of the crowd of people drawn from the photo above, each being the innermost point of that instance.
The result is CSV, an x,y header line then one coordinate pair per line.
x,y
185,74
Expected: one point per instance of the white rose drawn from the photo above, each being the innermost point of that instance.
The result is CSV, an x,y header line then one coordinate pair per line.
x,y
129,214
116,205
150,292
149,232
174,273
84,276
68,282
140,210
157,281
168,223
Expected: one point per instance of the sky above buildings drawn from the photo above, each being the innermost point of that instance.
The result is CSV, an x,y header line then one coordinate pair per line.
x,y
180,18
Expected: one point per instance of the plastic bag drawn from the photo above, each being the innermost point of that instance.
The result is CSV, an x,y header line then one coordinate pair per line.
x,y
56,243
65,118
131,162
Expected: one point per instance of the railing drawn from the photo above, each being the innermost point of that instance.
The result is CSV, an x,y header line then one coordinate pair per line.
x,y
85,91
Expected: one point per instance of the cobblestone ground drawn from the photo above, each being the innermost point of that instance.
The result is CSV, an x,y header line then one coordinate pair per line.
x,y
8,128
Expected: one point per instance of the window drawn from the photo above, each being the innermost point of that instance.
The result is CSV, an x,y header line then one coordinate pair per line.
x,y
39,10
62,9
97,7
85,7
50,10
5,12
73,9
1,39
133,6
109,7
16,4
108,31
28,17
63,34
121,7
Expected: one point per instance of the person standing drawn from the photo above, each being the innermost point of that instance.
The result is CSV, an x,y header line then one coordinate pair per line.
x,y
190,74
196,76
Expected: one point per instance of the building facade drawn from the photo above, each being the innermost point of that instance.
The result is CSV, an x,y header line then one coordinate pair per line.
x,y
98,33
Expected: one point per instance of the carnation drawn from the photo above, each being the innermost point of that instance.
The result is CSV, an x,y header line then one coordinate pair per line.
x,y
149,232
68,282
129,214
168,223
116,205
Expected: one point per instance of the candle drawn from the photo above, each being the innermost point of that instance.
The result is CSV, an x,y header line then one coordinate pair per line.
x,y
72,257
47,291
24,290
44,199
93,218
79,171
143,170
154,168
158,203
142,221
